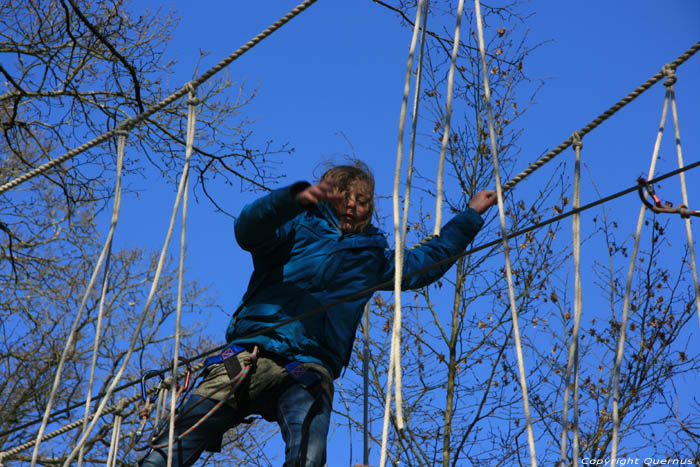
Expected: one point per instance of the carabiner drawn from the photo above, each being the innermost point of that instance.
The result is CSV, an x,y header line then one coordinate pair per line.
x,y
147,375
644,188
188,375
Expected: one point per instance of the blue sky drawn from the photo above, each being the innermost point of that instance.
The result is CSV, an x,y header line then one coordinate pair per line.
x,y
339,67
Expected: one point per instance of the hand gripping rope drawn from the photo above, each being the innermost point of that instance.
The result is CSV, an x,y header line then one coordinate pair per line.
x,y
646,189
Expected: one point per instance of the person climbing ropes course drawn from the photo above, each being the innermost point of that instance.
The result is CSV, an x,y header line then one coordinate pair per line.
x,y
311,245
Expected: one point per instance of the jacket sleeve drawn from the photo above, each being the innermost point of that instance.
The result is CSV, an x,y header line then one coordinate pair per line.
x,y
257,226
454,238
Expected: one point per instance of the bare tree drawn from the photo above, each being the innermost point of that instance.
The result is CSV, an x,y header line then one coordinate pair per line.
x,y
72,70
462,398
75,69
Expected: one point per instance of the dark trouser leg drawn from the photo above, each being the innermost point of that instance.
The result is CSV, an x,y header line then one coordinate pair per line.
x,y
303,419
188,449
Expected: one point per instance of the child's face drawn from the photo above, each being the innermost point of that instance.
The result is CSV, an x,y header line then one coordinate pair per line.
x,y
353,211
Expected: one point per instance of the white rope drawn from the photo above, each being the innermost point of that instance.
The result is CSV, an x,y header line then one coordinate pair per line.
x,y
684,191
191,125
448,117
113,442
121,143
71,335
138,119
394,370
75,424
572,362
116,435
161,401
142,318
628,286
504,235
365,386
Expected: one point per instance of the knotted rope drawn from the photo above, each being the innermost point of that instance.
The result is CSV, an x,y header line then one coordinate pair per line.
x,y
572,362
116,435
192,104
684,192
669,72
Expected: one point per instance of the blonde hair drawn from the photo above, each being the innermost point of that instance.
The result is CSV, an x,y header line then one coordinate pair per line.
x,y
341,177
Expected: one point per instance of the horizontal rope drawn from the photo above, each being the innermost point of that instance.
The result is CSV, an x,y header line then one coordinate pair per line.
x,y
601,118
136,120
383,285
108,410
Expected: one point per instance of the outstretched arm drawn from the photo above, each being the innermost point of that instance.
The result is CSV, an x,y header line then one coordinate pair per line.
x,y
454,238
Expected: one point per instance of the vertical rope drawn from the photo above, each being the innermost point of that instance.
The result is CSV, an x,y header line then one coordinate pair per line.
x,y
71,335
504,235
394,370
110,454
142,318
684,191
116,435
161,401
365,387
578,298
630,274
121,143
448,116
192,103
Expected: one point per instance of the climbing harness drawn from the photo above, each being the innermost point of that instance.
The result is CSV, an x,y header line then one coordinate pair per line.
x,y
237,374
647,189
298,372
235,382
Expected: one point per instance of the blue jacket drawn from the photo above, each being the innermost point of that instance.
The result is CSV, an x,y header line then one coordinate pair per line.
x,y
302,261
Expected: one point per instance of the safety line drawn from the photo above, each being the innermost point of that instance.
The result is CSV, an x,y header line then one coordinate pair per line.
x,y
670,73
504,234
130,123
572,361
601,118
354,296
